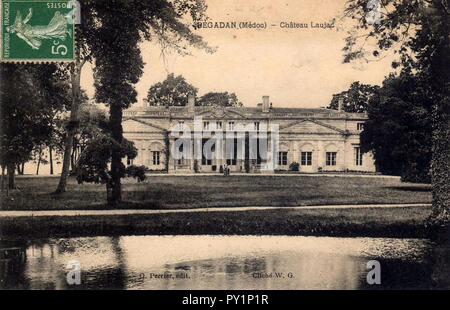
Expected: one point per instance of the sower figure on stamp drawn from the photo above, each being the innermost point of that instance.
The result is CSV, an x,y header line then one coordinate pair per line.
x,y
33,35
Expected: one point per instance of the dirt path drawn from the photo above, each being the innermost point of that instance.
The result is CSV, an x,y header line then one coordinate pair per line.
x,y
59,213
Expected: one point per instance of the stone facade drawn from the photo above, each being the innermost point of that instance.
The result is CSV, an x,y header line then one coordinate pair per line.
x,y
316,139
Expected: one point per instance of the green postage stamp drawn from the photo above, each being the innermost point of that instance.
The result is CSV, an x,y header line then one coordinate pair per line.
x,y
37,31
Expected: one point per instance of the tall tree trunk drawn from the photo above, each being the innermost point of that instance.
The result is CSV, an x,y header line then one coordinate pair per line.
x,y
50,154
3,178
440,75
11,176
72,126
22,169
441,164
72,157
115,124
39,161
109,192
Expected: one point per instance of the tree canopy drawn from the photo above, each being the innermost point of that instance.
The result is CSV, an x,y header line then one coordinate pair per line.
x,y
173,91
399,129
355,99
223,99
31,95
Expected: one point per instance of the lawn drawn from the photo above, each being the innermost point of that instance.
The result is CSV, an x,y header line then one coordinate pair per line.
x,y
215,191
372,222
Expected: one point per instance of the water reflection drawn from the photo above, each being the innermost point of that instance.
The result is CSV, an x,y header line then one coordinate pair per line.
x,y
225,262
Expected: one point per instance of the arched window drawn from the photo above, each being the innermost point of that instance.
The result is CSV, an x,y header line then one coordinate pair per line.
x,y
283,151
331,155
306,154
156,149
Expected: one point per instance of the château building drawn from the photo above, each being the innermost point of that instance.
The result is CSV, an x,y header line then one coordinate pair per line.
x,y
315,140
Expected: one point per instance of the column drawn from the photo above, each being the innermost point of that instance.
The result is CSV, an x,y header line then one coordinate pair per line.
x,y
170,159
320,155
192,152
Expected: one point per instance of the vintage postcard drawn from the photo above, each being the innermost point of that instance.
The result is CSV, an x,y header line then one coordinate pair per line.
x,y
225,145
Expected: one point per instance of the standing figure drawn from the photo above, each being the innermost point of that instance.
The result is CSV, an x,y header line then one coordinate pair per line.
x,y
33,35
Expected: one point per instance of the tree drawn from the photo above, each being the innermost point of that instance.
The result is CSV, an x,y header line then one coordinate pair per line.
x,y
173,91
93,121
399,129
72,126
419,33
54,144
355,99
224,99
30,96
115,74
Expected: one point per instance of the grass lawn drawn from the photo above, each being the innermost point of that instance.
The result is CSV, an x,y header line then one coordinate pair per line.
x,y
393,223
216,191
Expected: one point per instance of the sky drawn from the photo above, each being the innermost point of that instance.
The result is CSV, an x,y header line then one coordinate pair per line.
x,y
299,68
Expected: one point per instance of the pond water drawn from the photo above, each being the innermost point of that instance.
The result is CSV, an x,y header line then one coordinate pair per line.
x,y
224,262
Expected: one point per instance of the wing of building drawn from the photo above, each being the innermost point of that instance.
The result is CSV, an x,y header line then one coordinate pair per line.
x,y
208,139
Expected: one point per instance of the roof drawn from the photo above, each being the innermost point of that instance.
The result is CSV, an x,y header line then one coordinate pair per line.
x,y
243,112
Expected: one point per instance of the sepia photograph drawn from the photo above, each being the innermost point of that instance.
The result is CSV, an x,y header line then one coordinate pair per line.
x,y
212,145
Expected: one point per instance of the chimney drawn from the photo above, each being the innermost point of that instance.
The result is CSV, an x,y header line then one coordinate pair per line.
x,y
191,103
265,104
341,104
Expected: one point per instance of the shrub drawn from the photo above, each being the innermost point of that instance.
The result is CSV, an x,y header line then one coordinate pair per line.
x,y
93,164
137,172
294,166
